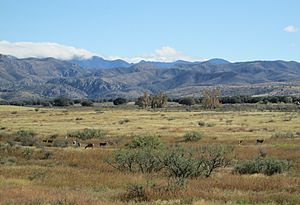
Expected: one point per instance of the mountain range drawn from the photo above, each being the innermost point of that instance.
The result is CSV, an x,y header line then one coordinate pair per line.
x,y
96,77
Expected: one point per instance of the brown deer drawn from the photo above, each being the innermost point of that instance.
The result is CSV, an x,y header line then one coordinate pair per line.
x,y
90,145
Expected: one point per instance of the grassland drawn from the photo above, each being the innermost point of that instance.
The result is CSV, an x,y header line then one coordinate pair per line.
x,y
81,176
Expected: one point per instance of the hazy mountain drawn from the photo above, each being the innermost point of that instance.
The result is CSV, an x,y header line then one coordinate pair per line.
x,y
39,78
99,63
217,61
167,64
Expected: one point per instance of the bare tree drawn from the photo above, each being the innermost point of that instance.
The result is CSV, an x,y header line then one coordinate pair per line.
x,y
211,98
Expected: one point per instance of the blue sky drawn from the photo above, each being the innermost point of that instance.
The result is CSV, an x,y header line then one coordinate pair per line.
x,y
237,30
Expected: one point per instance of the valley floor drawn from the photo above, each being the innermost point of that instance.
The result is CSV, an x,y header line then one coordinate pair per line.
x,y
69,175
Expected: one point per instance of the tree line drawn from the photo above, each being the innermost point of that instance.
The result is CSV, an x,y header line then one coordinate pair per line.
x,y
211,98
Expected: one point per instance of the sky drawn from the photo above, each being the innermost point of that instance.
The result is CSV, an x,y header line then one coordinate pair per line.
x,y
156,30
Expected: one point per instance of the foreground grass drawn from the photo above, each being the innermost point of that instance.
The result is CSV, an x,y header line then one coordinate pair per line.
x,y
79,176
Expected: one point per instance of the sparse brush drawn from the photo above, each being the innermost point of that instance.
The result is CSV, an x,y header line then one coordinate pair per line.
x,y
88,134
192,136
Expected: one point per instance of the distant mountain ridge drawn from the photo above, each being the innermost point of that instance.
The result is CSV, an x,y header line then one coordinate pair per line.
x,y
46,78
100,63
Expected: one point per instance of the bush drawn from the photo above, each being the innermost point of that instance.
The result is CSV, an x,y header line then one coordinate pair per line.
x,y
187,101
267,166
144,155
146,141
27,153
60,143
284,135
88,134
123,121
27,138
192,136
8,160
87,103
215,156
62,101
119,101
135,192
180,163
201,123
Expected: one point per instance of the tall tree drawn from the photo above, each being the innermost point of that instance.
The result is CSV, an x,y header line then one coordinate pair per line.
x,y
211,97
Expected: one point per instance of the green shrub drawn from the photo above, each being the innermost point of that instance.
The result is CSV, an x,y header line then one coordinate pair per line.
x,y
180,163
267,166
60,143
152,141
215,156
119,101
145,160
8,160
123,121
87,103
27,153
192,136
284,135
124,160
211,124
27,138
135,192
201,123
88,134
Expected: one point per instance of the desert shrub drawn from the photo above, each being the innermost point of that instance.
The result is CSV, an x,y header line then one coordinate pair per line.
x,y
37,175
60,143
88,134
124,159
187,101
27,153
62,101
215,156
87,103
180,163
185,163
27,138
267,166
152,141
201,123
211,124
8,160
284,135
135,192
123,121
144,154
119,101
145,160
149,160
46,154
192,136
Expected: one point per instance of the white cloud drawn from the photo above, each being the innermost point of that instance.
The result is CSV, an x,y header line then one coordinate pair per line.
x,y
164,54
42,50
290,29
59,51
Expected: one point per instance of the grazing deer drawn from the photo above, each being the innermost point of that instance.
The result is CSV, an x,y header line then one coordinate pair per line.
x,y
103,144
76,143
90,145
259,141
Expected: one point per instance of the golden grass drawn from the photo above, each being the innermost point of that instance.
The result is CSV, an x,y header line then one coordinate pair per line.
x,y
79,176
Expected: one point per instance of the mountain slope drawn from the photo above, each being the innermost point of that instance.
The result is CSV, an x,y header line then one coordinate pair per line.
x,y
99,63
49,77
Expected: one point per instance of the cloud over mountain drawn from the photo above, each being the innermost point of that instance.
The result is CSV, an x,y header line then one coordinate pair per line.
x,y
64,52
163,54
42,50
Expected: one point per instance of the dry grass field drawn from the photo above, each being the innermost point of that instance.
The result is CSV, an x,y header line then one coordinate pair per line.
x,y
46,174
